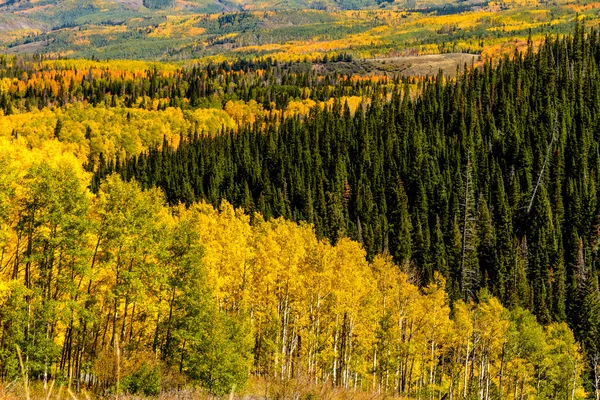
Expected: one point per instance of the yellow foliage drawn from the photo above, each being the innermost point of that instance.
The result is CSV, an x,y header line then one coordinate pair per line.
x,y
114,131
244,113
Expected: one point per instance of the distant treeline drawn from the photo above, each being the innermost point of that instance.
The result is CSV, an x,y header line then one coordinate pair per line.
x,y
32,83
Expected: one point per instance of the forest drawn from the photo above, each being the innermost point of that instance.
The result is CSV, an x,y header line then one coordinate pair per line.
x,y
120,293
490,180
254,228
186,31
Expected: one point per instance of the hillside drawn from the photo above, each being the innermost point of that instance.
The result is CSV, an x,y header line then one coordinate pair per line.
x,y
275,227
287,31
303,199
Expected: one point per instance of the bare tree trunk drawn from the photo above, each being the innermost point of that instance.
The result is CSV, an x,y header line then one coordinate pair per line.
x,y
15,274
335,351
541,174
596,366
466,368
116,302
574,380
165,349
501,377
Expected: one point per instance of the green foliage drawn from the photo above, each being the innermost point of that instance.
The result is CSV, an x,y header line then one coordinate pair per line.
x,y
144,381
13,314
159,4
219,352
214,348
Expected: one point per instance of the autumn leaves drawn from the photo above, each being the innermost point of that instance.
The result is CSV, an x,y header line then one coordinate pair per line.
x,y
214,295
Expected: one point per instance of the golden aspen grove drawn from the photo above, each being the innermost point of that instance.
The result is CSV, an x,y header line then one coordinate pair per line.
x,y
353,199
202,294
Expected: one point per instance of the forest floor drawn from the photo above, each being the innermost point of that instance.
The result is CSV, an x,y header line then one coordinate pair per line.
x,y
257,389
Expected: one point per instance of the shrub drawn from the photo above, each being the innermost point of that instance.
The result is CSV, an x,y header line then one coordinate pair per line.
x,y
145,380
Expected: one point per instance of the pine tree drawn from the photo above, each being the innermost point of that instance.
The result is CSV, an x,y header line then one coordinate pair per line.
x,y
401,226
469,265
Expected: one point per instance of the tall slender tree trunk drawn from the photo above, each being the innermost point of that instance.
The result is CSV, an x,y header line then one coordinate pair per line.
x,y
165,348
466,368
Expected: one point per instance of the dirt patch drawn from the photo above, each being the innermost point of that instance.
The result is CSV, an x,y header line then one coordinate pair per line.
x,y
11,22
28,48
135,4
405,66
424,65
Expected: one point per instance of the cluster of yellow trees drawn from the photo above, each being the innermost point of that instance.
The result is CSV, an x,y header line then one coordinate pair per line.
x,y
335,317
127,131
101,289
112,131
